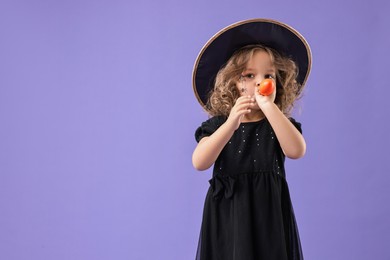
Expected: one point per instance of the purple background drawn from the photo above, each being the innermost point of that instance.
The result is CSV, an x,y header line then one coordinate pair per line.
x,y
98,117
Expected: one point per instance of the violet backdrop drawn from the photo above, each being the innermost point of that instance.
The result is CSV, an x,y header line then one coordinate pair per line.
x,y
98,117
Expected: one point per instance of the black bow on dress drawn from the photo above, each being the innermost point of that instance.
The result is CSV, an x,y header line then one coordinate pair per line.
x,y
222,186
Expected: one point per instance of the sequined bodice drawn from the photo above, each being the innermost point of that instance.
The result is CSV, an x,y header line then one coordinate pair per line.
x,y
252,148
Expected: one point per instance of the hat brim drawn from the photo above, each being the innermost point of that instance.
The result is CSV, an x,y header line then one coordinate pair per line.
x,y
274,34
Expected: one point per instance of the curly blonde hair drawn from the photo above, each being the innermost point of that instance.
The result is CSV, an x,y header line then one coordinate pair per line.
x,y
225,93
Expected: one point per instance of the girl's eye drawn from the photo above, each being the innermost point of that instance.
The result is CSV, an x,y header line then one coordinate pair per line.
x,y
269,76
248,76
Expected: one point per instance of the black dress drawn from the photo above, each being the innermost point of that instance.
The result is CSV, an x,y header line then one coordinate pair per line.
x,y
248,213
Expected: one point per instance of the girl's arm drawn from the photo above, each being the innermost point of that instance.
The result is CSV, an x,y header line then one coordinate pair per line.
x,y
290,139
209,148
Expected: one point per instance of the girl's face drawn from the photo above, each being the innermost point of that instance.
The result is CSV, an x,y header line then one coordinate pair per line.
x,y
259,67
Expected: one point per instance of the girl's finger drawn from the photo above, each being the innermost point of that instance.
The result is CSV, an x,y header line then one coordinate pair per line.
x,y
244,105
243,98
244,112
243,102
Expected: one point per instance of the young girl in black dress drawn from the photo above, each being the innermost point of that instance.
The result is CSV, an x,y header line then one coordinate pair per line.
x,y
248,213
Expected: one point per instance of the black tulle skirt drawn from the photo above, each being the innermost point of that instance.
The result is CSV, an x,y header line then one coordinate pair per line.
x,y
249,217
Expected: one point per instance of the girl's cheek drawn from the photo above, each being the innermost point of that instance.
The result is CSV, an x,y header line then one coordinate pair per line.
x,y
245,90
251,91
242,89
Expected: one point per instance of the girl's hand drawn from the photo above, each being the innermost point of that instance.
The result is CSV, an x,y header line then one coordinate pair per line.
x,y
263,100
240,108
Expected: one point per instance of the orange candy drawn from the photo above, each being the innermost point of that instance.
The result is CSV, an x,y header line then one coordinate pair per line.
x,y
266,87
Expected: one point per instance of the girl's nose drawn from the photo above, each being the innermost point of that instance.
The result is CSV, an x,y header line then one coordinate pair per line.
x,y
258,84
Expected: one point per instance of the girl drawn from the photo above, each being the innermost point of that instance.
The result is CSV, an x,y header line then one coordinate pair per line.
x,y
248,213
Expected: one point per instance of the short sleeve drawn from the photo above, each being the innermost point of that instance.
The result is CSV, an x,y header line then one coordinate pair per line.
x,y
209,127
296,124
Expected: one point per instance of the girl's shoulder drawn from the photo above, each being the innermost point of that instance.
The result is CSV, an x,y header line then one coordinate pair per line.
x,y
216,120
209,126
297,124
